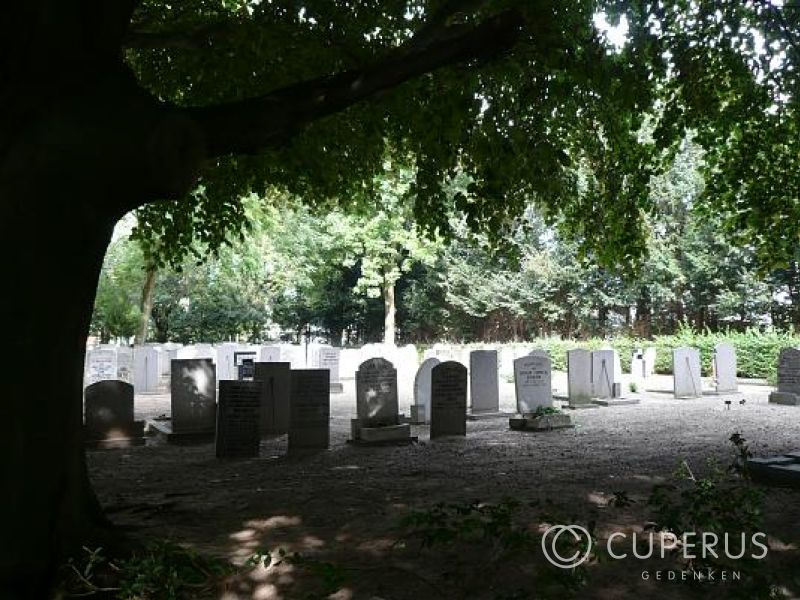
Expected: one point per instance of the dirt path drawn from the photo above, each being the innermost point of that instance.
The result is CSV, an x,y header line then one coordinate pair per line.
x,y
344,504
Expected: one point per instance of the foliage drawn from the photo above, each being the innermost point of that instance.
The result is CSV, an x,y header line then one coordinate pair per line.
x,y
116,307
162,570
724,501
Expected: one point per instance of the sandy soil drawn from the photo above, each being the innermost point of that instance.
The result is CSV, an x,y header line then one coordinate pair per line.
x,y
343,505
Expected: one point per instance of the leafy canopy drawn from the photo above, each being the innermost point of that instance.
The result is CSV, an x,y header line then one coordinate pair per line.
x,y
564,119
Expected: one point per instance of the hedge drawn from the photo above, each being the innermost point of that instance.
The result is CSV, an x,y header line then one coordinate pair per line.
x,y
756,351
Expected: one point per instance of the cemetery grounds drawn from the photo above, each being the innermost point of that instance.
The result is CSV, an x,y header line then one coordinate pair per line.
x,y
336,523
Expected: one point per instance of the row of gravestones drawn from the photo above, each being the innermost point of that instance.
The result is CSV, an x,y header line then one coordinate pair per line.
x,y
148,367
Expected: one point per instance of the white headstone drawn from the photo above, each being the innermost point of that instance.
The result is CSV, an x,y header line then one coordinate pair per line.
x,y
649,361
422,390
146,369
269,354
725,368
603,373
533,382
686,372
484,387
579,376
328,358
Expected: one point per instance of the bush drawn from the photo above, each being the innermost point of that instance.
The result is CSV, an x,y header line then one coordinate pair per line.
x,y
756,352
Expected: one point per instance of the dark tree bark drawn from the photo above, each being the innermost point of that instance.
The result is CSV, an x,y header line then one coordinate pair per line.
x,y
81,143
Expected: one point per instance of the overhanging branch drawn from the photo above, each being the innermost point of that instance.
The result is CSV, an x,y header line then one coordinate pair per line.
x,y
268,121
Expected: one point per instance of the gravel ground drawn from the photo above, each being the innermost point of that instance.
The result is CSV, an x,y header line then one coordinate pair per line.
x,y
344,504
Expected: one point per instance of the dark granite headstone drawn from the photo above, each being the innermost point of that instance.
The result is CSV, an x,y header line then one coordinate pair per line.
x,y
309,409
274,396
108,414
194,395
376,393
448,399
238,432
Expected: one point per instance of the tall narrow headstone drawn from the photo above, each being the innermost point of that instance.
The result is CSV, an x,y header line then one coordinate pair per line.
x,y
533,382
193,395
484,387
421,411
238,434
276,380
310,409
448,399
108,415
579,376
376,393
328,358
649,361
637,364
725,368
146,371
686,372
604,374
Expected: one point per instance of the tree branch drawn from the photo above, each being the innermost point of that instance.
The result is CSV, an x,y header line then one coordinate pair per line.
x,y
268,121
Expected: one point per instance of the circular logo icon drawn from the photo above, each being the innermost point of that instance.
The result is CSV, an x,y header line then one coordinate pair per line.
x,y
580,536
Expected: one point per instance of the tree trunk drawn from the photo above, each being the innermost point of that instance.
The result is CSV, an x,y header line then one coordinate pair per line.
x,y
390,310
67,174
147,305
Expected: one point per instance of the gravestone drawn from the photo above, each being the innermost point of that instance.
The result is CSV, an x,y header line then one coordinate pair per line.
x,y
649,361
276,380
101,364
108,416
484,387
686,372
376,393
238,419
328,358
269,354
421,410
637,364
788,378
603,374
579,377
725,368
146,371
378,418
243,363
193,397
309,409
533,382
448,399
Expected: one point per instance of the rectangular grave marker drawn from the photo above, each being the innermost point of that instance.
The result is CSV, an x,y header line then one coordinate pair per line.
x,y
484,387
193,395
579,376
238,434
376,393
686,372
276,379
310,408
533,382
725,368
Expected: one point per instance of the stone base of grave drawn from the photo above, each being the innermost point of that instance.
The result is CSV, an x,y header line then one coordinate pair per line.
x,y
163,430
337,387
118,437
417,415
540,423
385,435
778,470
478,415
615,401
581,405
786,398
